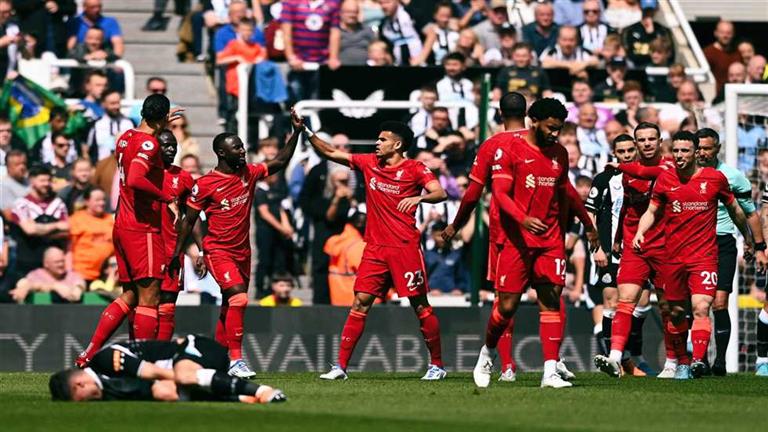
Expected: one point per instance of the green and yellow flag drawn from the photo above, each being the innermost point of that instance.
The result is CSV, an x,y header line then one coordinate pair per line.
x,y
28,107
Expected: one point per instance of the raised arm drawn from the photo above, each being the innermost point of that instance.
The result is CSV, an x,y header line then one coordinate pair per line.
x,y
286,153
638,171
326,151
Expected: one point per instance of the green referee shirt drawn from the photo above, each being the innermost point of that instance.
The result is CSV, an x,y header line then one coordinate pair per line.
x,y
742,190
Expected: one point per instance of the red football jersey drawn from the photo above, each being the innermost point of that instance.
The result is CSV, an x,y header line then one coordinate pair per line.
x,y
637,195
226,200
690,209
538,176
490,152
387,186
178,184
137,210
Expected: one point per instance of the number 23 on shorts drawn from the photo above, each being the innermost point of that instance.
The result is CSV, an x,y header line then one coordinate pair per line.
x,y
414,279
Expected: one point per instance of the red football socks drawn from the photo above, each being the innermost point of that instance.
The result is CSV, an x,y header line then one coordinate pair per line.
x,y
678,338
221,328
497,324
504,347
145,323
621,326
550,333
562,317
430,329
165,316
110,320
701,331
353,328
234,325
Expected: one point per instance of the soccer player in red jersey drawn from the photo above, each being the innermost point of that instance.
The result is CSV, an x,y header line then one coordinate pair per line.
x,y
392,254
688,197
225,194
530,185
636,268
138,245
177,183
512,108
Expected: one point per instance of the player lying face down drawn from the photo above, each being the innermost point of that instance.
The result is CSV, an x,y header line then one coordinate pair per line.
x,y
189,368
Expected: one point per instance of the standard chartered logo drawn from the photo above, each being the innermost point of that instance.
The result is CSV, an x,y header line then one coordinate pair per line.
x,y
676,207
530,181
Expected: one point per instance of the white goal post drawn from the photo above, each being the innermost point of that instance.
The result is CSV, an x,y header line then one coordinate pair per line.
x,y
732,94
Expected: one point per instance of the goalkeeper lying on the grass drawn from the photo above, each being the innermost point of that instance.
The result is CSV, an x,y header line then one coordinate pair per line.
x,y
192,368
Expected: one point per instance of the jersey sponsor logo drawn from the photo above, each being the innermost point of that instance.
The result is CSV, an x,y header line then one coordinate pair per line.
x,y
530,181
676,207
375,184
225,204
545,181
499,153
147,145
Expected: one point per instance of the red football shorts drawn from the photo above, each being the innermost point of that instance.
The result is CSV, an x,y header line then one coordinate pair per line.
x,y
173,282
229,270
494,249
383,267
686,279
140,255
518,267
637,268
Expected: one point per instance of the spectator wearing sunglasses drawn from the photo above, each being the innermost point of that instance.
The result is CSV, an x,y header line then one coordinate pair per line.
x,y
155,85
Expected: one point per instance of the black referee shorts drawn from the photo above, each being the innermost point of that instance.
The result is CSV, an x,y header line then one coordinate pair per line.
x,y
204,351
726,262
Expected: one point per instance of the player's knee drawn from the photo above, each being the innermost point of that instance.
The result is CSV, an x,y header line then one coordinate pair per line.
x,y
164,391
362,302
129,297
168,297
238,300
701,309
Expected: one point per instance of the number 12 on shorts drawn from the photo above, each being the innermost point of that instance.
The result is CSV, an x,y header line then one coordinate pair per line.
x,y
415,279
560,266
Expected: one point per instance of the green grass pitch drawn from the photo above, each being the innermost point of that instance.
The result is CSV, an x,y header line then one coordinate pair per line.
x,y
401,403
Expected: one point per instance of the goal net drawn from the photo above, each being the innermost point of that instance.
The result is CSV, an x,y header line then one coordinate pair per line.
x,y
745,139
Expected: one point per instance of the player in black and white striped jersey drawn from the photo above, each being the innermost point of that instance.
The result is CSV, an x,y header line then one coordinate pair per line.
x,y
604,203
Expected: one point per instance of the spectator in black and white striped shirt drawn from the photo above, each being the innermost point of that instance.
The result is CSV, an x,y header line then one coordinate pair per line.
x,y
593,32
568,54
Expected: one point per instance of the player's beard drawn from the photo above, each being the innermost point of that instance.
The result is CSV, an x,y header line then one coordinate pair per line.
x,y
542,139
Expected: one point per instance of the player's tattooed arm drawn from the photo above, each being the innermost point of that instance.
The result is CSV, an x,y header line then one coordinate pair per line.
x,y
646,222
435,194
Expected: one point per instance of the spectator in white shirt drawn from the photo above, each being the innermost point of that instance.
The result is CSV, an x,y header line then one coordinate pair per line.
x,y
593,31
454,87
101,138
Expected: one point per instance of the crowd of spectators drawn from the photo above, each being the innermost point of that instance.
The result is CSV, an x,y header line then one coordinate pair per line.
x,y
58,195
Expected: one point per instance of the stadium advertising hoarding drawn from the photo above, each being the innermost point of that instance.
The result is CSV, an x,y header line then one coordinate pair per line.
x,y
47,338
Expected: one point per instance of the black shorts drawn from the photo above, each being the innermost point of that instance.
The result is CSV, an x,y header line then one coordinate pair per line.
x,y
606,278
204,351
726,262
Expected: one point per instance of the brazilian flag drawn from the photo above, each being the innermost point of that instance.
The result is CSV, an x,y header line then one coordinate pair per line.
x,y
28,107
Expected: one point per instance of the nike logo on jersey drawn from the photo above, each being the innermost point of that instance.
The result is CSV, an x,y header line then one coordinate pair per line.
x,y
219,189
529,160
630,181
674,188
